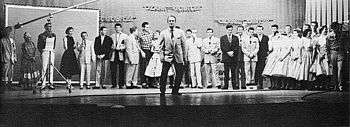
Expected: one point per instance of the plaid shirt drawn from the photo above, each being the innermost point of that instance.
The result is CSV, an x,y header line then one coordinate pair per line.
x,y
146,40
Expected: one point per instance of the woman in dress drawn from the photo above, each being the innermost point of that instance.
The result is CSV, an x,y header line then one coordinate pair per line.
x,y
154,68
304,74
283,57
272,58
69,62
294,62
29,69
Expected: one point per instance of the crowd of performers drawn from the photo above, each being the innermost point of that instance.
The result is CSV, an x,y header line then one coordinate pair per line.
x,y
310,57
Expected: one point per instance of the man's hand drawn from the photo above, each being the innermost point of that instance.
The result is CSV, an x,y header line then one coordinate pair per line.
x,y
100,56
143,54
230,53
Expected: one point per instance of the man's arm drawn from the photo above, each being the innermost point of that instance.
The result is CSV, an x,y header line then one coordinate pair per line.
x,y
183,47
40,43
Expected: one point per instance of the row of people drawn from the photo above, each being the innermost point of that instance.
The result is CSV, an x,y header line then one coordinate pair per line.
x,y
294,55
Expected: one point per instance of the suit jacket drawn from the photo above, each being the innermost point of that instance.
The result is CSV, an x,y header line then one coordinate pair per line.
x,y
227,46
250,46
119,40
173,48
211,48
132,50
263,47
193,49
86,52
104,48
42,40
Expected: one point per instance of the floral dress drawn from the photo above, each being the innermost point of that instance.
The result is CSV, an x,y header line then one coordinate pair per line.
x,y
29,69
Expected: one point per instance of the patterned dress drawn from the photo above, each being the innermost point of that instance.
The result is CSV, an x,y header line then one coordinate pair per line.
x,y
69,63
303,73
29,68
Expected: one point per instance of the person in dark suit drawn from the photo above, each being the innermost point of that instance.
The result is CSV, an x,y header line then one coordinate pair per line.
x,y
240,58
229,46
262,55
173,51
102,47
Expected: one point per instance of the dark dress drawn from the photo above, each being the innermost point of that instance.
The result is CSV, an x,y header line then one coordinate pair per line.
x,y
69,62
29,69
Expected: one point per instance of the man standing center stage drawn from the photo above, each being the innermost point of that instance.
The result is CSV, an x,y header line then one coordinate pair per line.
x,y
118,56
102,49
46,47
230,47
172,41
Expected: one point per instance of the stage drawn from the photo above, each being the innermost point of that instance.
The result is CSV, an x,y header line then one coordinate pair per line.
x,y
195,107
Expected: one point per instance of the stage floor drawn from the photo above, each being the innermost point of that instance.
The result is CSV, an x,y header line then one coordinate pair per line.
x,y
190,96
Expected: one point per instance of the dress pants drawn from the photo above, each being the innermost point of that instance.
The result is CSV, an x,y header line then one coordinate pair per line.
x,y
249,68
143,65
258,73
100,71
46,59
117,66
131,74
335,67
178,76
196,75
230,67
211,74
85,68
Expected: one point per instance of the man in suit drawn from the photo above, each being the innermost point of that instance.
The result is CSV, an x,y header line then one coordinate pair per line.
x,y
240,73
117,60
250,48
173,52
229,46
211,47
262,55
46,47
86,58
102,49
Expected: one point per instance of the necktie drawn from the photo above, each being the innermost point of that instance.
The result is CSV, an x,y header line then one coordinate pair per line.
x,y
172,33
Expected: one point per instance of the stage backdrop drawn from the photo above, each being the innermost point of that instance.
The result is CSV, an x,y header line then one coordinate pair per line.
x,y
80,19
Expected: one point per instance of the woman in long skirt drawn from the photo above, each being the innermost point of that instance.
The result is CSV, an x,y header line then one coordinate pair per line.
x,y
29,68
295,60
320,67
69,62
154,68
304,74
281,66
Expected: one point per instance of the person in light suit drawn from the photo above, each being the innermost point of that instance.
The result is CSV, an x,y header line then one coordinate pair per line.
x,y
193,47
172,41
250,48
132,58
86,58
211,47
